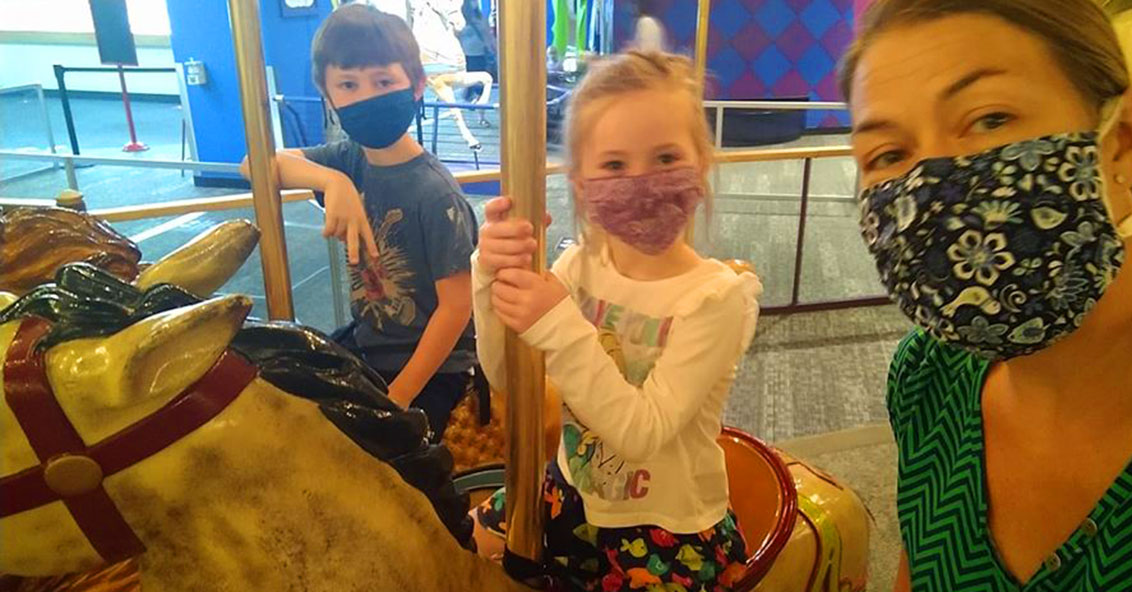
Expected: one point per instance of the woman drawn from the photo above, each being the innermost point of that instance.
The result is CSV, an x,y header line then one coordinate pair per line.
x,y
994,139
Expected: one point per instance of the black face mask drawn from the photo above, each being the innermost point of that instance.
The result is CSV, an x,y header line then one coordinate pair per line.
x,y
380,121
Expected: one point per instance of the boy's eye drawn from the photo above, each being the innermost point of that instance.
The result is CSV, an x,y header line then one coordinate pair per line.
x,y
385,83
347,85
613,165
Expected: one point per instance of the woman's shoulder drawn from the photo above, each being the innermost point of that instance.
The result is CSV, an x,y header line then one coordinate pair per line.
x,y
931,381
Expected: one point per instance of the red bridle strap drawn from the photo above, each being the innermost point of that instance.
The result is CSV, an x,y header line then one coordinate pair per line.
x,y
52,437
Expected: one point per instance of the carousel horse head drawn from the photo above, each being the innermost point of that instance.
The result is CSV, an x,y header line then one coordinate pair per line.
x,y
222,455
35,242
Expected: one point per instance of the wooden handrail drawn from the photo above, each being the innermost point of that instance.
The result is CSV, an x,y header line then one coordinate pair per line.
x,y
734,156
244,200
187,206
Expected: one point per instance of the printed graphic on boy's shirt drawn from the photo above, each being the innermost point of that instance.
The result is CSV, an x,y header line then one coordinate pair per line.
x,y
381,289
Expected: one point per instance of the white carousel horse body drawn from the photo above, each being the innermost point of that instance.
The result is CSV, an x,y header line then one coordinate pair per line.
x,y
269,495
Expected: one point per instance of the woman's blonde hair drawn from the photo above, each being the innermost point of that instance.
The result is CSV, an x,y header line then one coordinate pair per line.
x,y
1078,32
626,73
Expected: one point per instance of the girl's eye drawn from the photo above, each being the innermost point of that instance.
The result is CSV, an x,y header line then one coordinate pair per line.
x,y
668,158
613,165
991,122
885,160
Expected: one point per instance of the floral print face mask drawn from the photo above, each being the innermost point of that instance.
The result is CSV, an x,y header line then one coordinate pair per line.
x,y
648,211
1000,253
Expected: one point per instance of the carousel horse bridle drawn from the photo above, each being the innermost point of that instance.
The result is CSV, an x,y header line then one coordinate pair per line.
x,y
71,471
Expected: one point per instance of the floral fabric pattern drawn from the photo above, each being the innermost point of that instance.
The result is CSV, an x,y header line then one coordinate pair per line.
x,y
1001,253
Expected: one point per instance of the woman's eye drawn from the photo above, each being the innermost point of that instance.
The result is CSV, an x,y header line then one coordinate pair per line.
x,y
991,122
668,158
885,160
613,165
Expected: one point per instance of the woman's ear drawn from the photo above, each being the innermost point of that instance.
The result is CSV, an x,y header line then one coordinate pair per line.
x,y
1117,154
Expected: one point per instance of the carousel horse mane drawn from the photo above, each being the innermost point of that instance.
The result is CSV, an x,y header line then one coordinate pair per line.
x,y
34,242
86,301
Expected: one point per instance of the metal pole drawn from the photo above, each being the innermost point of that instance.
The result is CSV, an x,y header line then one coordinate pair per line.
x,y
522,26
134,145
718,145
335,261
703,17
268,204
72,180
46,120
795,291
60,73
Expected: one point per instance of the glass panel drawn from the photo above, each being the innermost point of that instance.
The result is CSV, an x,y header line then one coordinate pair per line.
x,y
835,263
756,217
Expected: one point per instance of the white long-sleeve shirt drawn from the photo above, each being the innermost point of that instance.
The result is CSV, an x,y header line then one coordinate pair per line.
x,y
644,369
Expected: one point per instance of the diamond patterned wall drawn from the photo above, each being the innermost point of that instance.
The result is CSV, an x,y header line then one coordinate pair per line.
x,y
760,49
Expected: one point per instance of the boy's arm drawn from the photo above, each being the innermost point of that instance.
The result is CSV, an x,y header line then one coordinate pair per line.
x,y
345,212
296,172
440,336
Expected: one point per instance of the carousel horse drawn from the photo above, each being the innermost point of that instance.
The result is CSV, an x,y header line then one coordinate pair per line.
x,y
149,424
35,242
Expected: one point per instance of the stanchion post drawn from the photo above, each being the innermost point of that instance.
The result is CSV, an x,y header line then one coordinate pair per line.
x,y
266,200
60,76
523,150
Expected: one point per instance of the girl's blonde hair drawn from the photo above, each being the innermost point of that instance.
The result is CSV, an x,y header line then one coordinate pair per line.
x,y
629,72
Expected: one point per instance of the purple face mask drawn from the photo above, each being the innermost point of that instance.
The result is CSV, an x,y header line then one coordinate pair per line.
x,y
647,212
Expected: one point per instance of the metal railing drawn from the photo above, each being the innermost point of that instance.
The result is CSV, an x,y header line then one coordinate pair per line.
x,y
38,88
244,200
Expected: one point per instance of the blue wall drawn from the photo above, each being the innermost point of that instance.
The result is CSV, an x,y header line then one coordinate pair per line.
x,y
201,31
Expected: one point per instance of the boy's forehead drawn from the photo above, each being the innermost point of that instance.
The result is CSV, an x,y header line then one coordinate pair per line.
x,y
394,68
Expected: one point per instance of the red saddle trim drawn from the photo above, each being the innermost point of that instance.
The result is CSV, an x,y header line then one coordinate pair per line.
x,y
51,434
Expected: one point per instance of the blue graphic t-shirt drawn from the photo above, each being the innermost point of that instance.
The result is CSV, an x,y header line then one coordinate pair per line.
x,y
425,232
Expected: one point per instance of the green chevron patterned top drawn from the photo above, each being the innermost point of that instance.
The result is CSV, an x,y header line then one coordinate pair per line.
x,y
934,406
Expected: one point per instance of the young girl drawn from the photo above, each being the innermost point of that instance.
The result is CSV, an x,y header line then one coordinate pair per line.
x,y
641,337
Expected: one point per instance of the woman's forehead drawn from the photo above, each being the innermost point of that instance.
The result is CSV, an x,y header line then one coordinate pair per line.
x,y
921,61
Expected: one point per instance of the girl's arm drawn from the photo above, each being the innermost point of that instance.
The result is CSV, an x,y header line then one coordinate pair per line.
x,y
702,350
489,329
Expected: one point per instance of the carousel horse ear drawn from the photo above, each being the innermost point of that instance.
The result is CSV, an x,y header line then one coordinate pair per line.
x,y
205,263
6,298
165,354
151,360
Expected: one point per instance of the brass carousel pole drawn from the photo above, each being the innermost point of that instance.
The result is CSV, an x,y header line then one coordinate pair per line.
x,y
244,17
703,18
522,87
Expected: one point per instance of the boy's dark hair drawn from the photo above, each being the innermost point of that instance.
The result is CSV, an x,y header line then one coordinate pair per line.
x,y
359,35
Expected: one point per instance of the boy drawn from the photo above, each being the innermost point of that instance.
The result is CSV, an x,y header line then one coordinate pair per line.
x,y
407,227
